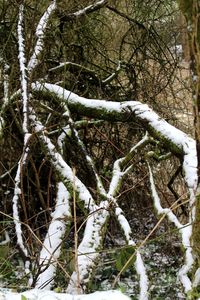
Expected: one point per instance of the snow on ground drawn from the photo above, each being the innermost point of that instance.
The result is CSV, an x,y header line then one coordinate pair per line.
x,y
49,295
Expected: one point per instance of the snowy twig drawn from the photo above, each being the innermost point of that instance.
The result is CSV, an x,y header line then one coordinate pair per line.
x,y
34,60
120,163
87,10
81,68
66,130
18,193
5,98
90,162
22,63
16,218
5,87
113,75
139,264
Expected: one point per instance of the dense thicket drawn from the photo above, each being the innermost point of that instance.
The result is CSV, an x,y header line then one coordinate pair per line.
x,y
114,50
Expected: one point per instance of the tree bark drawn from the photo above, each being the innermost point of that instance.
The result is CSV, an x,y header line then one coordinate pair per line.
x,y
191,11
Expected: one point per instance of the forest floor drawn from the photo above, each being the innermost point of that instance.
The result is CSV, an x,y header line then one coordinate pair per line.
x,y
162,256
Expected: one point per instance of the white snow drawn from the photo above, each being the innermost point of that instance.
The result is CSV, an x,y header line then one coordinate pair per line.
x,y
71,97
116,178
124,224
36,294
144,282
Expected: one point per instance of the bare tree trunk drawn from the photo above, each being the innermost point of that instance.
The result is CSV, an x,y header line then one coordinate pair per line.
x,y
184,38
191,10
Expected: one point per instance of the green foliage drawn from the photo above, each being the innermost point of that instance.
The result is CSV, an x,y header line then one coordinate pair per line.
x,y
6,270
194,294
23,297
123,256
58,289
4,249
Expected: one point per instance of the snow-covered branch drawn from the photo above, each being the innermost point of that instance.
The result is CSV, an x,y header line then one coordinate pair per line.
x,y
40,30
5,98
18,192
119,164
185,231
18,226
114,187
86,10
88,250
139,264
5,87
52,244
171,138
22,63
92,239
63,169
18,195
113,75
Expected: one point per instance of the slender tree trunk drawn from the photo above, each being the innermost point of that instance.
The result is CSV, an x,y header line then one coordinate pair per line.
x,y
184,38
191,11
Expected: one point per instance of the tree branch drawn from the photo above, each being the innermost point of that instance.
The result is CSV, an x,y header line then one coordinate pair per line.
x,y
34,60
85,11
172,139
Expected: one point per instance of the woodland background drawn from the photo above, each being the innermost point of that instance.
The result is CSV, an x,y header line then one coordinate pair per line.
x,y
127,50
